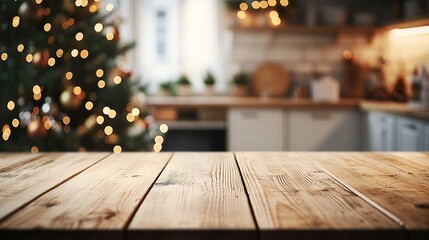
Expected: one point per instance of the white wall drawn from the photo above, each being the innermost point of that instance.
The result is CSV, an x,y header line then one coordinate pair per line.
x,y
193,40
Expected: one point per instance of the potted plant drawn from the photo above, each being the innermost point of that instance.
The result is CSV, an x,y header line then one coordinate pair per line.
x,y
209,82
239,84
165,88
183,87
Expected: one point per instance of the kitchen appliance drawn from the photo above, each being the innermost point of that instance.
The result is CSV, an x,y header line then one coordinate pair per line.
x,y
325,89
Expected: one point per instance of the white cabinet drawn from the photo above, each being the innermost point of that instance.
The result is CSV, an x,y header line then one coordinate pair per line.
x,y
255,129
409,135
379,132
426,138
323,130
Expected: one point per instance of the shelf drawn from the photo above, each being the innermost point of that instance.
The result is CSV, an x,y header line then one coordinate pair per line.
x,y
196,125
308,29
406,24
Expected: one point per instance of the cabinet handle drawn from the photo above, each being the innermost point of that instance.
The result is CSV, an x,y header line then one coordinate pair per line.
x,y
412,127
321,116
249,115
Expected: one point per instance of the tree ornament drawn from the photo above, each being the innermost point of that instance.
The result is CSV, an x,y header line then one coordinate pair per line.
x,y
137,128
69,6
30,11
139,100
69,100
41,58
35,128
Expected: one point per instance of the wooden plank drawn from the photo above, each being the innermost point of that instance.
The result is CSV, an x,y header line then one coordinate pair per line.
x,y
29,176
104,197
420,159
400,189
11,159
288,192
196,191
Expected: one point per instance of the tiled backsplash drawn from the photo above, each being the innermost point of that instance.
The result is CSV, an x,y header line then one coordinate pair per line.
x,y
305,53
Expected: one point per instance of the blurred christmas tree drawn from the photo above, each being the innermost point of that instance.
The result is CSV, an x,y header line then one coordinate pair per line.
x,y
63,85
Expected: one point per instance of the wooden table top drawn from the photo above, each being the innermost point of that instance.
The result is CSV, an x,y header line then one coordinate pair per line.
x,y
242,195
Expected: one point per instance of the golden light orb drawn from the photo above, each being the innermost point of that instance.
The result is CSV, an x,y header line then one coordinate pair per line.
x,y
163,128
10,105
98,27
99,73
108,130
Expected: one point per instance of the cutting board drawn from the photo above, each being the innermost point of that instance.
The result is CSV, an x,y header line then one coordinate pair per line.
x,y
270,80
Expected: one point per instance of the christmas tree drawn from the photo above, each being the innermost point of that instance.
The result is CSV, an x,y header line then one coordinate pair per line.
x,y
64,83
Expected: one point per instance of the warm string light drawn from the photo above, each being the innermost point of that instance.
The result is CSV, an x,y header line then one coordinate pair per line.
x,y
10,105
117,80
4,56
99,73
69,75
101,84
29,58
98,27
264,4
117,149
47,27
163,128
100,120
109,7
6,132
15,123
110,36
59,53
15,21
74,53
34,149
20,47
79,36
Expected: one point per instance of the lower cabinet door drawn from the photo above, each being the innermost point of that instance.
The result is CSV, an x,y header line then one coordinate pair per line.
x,y
254,129
324,130
410,135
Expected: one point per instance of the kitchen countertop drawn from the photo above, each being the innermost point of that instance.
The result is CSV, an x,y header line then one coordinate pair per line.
x,y
227,102
242,195
223,102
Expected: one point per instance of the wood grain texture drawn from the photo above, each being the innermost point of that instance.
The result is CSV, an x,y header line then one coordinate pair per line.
x,y
197,191
287,191
27,177
104,196
397,182
11,160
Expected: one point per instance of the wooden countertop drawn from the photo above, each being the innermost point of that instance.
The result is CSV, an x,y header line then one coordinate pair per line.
x,y
243,195
226,102
202,102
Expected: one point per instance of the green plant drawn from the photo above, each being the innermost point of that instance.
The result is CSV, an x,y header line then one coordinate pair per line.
x,y
166,85
241,79
183,80
209,79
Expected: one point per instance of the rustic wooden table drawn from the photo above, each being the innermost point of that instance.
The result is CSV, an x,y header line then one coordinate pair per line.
x,y
252,195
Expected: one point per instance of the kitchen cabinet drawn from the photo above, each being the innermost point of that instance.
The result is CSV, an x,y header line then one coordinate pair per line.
x,y
426,138
323,130
255,129
379,132
409,134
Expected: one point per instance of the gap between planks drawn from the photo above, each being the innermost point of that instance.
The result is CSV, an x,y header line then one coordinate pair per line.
x,y
128,222
365,198
252,211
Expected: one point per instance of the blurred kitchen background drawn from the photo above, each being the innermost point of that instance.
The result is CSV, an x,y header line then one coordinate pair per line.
x,y
307,75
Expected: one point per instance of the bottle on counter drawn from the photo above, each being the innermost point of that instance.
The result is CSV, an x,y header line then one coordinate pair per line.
x,y
424,78
416,89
